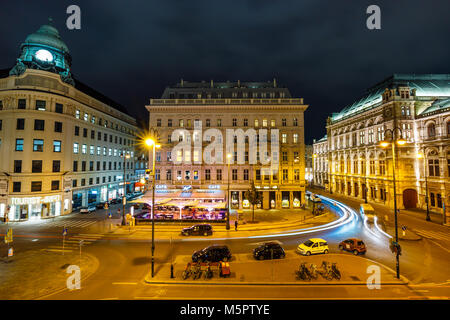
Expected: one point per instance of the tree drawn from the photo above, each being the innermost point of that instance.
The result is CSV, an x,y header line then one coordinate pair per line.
x,y
254,197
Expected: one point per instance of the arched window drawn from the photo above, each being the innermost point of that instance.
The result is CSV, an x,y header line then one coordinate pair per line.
x,y
448,128
431,129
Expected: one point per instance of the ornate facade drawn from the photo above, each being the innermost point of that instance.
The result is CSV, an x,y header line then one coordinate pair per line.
x,y
320,163
61,141
415,107
231,105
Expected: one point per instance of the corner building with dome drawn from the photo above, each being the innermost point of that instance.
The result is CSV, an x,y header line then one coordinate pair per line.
x,y
61,142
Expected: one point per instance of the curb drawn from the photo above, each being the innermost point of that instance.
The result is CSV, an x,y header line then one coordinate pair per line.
x,y
356,283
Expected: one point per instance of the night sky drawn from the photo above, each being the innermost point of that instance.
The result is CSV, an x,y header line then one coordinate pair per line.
x,y
321,50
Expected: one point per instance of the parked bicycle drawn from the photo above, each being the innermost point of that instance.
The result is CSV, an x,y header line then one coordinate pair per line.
x,y
187,271
313,271
335,271
303,272
197,272
326,271
207,274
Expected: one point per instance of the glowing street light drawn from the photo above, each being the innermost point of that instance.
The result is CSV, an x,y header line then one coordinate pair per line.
x,y
229,155
152,143
393,141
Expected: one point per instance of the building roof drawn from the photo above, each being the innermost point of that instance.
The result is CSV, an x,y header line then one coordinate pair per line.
x,y
4,73
426,85
191,90
437,105
48,36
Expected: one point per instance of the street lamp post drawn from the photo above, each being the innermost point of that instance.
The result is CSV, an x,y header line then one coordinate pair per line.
x,y
419,156
384,144
124,187
151,143
228,193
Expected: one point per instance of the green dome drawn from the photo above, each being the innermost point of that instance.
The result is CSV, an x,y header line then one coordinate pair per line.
x,y
47,35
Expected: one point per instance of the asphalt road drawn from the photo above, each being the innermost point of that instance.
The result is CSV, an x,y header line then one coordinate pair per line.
x,y
125,262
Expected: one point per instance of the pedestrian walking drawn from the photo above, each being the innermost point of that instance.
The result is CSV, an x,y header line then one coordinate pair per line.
x,y
235,225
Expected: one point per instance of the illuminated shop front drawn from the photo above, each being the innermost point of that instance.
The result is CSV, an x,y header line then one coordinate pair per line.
x,y
34,208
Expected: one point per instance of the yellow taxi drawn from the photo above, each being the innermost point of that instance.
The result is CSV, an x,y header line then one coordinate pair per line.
x,y
313,246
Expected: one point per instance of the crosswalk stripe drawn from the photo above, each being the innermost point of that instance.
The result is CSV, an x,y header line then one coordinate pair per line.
x,y
57,250
433,234
92,235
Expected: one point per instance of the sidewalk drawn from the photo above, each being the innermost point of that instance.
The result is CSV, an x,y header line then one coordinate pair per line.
x,y
35,273
246,270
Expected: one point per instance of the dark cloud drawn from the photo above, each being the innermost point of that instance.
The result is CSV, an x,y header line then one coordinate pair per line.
x,y
321,50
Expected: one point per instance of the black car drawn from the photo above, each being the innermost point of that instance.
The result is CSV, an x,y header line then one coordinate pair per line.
x,y
198,230
214,253
100,205
269,250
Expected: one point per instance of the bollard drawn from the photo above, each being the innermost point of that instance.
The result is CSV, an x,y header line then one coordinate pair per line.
x,y
171,271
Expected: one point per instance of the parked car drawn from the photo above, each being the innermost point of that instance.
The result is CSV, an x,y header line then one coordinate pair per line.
x,y
100,205
313,246
198,230
213,253
269,250
87,209
354,245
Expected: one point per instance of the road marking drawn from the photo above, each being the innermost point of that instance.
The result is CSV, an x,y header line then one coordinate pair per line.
x,y
78,241
56,250
124,283
433,234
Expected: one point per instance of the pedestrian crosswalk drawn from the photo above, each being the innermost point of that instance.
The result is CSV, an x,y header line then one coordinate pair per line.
x,y
73,243
438,235
70,223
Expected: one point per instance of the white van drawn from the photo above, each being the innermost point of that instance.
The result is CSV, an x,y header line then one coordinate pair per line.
x,y
367,210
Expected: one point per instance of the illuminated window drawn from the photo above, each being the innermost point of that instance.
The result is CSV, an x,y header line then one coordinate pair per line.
x,y
83,149
75,147
295,138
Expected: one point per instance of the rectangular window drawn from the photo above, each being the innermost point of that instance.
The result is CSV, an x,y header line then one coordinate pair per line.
x,y
295,122
40,105
17,166
157,174
77,130
55,185
91,165
283,122
433,168
39,125
75,166
83,165
296,174
56,146
295,137
272,123
83,149
219,175
158,122
58,108
258,174
38,145
264,123
234,122
16,186
284,138
219,122
22,104
234,174
85,131
207,174
20,124
246,174
77,114
285,174
91,150
36,166
75,148
169,174
58,126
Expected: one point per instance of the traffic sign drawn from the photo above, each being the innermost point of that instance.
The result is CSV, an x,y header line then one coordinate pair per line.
x,y
64,231
404,228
